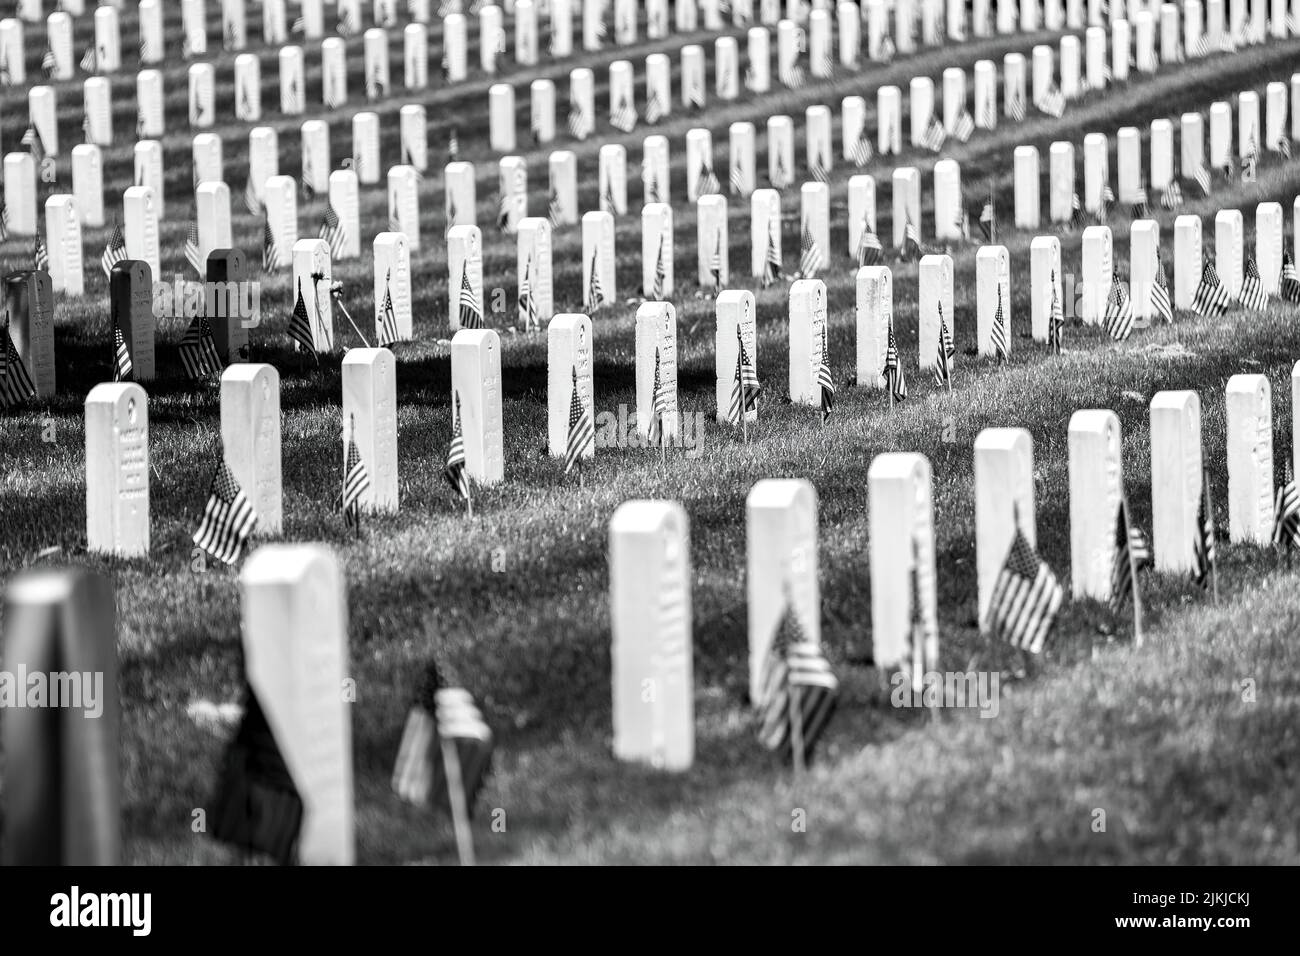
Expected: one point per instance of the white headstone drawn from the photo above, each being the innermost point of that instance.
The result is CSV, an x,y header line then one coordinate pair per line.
x,y
1026,187
1045,281
1176,478
657,250
901,503
735,314
250,438
598,260
656,357
313,278
370,419
476,386
1250,459
404,203
1229,248
140,227
907,202
392,284
936,293
1187,259
568,351
992,292
1004,499
1096,481
875,315
1098,271
1269,244
117,469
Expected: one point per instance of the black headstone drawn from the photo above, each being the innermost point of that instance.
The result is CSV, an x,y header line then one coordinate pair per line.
x,y
29,302
130,297
227,303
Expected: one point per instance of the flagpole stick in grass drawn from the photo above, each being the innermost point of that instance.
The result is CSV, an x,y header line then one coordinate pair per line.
x,y
796,733
456,797
1137,595
1209,511
336,290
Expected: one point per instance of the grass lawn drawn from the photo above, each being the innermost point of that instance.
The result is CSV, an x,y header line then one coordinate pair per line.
x,y
514,605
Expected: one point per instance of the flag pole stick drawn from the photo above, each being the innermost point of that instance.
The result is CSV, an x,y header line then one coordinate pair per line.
x,y
1137,592
339,300
1209,514
469,506
796,733
456,797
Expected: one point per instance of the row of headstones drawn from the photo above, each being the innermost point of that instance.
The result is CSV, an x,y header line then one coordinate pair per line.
x,y
62,621
649,548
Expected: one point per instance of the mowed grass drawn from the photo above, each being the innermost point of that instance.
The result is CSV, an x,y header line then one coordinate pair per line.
x,y
514,605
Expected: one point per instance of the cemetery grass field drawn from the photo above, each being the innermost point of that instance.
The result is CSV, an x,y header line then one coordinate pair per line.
x,y
514,605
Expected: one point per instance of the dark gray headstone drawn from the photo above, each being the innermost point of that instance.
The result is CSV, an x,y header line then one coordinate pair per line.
x,y
29,302
130,297
228,302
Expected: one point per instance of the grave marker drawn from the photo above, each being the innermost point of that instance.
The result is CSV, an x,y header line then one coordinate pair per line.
x,y
1045,281
1096,483
568,349
312,279
370,419
250,438
117,470
392,288
476,381
1004,500
900,499
875,315
992,294
1176,476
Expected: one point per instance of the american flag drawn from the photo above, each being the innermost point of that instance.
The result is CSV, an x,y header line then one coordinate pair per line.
x,y
1290,280
1141,208
121,355
1161,304
964,128
737,180
595,289
346,26
579,127
34,143
745,389
862,150
503,212
453,145
386,315
799,691
772,257
527,307
794,77
1118,319
623,116
442,718
821,169
40,255
1202,177
471,311
780,178
895,379
1016,106
1211,298
1283,146
607,203
270,252
90,60
228,518
654,108
1253,296
454,471
300,324
1053,102
251,202
356,479
192,254
1026,597
658,404
810,254
16,384
332,231
49,62
1055,320
825,383
1204,552
1286,514
990,112
1172,195
944,353
887,141
198,350
715,262
555,208
706,184
4,221
1000,342
582,434
1076,212
911,238
660,275
869,249
115,251
1131,552
1103,206
1250,159
934,135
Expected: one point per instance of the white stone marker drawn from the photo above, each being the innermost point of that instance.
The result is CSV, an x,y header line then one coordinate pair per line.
x,y
97,109
140,226
1128,163
1096,481
1096,170
293,85
42,111
206,159
734,312
906,202
901,503
862,210
501,117
392,281
1192,142
740,159
1269,231
415,56
650,604
658,87
312,279
476,383
1071,67
1187,260
818,149
1014,93
986,94
63,243
404,203
1220,135
568,350
1144,253
117,470
1176,477
781,567
764,228
561,28
250,438
413,137
370,419
343,199
992,289
875,305
611,175
1162,156
726,68
149,104
657,250
780,151
281,197
459,194
202,83
11,44
656,345
464,264
1098,271
806,334
711,242
1250,459
454,46
655,176
936,292
1061,190
295,633
534,267
248,88
699,162
1004,498
598,261
1045,280
20,193
920,101
814,220
88,184
1026,187
1229,247
541,111
889,120
334,73
1275,131
212,219
949,224
263,161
